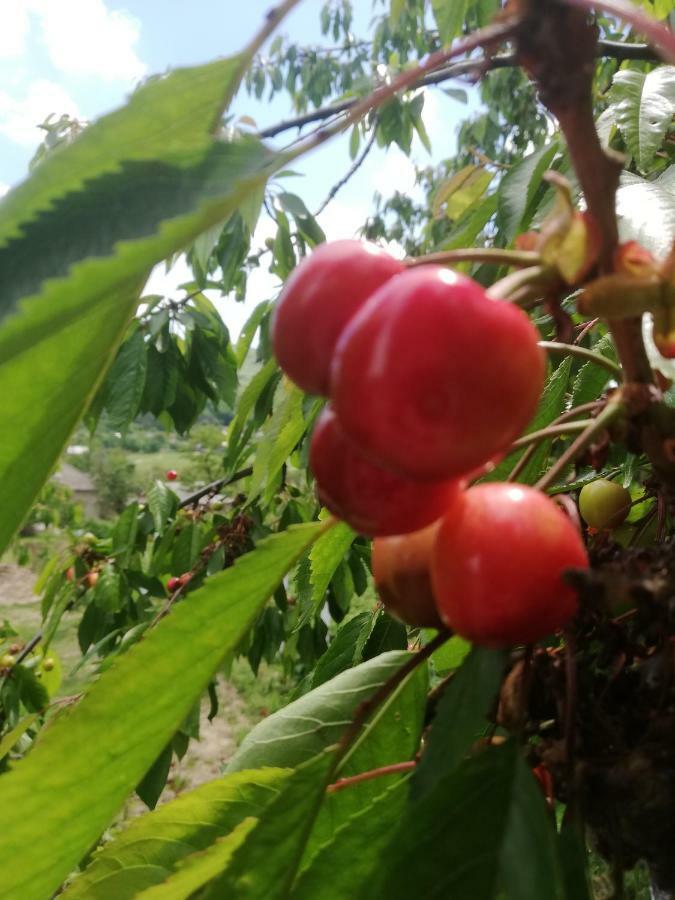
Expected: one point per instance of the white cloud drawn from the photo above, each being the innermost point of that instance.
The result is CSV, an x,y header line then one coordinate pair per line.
x,y
85,37
81,37
13,29
20,116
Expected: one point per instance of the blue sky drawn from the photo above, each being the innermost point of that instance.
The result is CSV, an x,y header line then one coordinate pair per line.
x,y
82,57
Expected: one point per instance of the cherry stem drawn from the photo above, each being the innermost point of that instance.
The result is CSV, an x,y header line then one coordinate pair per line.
x,y
583,353
537,278
535,437
493,255
343,783
611,412
580,410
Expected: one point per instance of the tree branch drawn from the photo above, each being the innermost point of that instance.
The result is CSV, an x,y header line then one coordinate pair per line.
x,y
606,49
214,487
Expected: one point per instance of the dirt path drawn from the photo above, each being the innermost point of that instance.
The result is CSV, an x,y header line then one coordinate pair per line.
x,y
16,585
204,759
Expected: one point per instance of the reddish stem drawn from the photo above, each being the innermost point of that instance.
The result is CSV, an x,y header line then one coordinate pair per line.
x,y
343,783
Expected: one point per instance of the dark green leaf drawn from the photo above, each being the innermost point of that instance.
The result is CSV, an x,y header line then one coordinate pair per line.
x,y
152,783
461,717
139,695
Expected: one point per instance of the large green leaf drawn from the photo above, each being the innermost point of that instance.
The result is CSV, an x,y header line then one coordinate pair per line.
x,y
392,736
646,211
449,17
324,558
151,846
643,105
355,849
484,828
65,792
199,869
77,241
518,191
461,716
305,727
264,867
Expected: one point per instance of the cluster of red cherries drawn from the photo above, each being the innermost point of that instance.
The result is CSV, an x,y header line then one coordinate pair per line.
x,y
429,379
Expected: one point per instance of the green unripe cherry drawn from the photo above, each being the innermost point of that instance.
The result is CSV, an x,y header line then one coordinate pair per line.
x,y
604,504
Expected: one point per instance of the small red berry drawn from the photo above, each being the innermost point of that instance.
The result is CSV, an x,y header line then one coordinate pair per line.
x,y
171,475
432,378
92,578
498,562
173,584
401,571
372,500
320,297
70,573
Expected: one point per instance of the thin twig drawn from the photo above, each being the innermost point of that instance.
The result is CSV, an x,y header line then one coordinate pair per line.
x,y
613,409
583,353
661,38
214,487
493,255
551,431
358,162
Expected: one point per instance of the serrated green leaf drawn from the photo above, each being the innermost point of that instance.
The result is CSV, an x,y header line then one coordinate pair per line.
x,y
305,727
591,379
518,190
152,784
124,534
161,503
245,404
197,870
449,17
499,835
125,383
461,192
551,405
247,333
461,717
265,865
160,178
151,846
324,558
356,848
392,736
282,432
643,105
139,695
344,650
471,224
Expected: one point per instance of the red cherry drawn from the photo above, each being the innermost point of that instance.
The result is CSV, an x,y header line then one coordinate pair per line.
x,y
372,500
401,570
171,475
92,578
173,584
320,297
498,562
70,573
432,378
